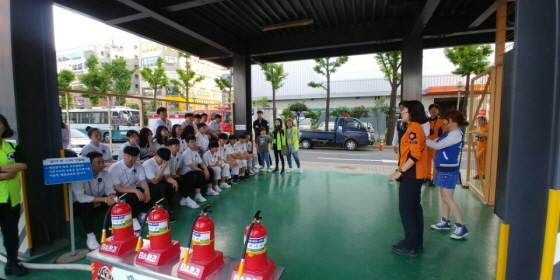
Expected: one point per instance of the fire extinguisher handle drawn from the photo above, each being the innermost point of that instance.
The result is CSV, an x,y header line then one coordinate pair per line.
x,y
257,215
205,209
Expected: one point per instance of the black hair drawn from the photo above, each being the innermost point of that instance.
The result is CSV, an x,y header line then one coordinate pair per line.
x,y
232,137
213,144
161,109
92,130
200,125
433,106
131,133
241,135
416,111
189,115
262,129
197,116
8,132
259,112
93,155
143,135
278,128
164,153
130,150
223,136
173,141
187,131
402,103
190,137
217,116
88,128
203,114
173,134
159,139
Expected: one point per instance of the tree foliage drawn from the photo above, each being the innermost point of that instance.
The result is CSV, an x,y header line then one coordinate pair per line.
x,y
226,84
359,112
380,108
299,111
261,103
95,79
390,64
326,67
187,78
119,77
65,78
156,78
340,111
274,73
469,60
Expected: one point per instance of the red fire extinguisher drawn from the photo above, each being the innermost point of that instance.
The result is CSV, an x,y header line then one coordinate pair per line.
x,y
255,248
202,238
121,221
159,230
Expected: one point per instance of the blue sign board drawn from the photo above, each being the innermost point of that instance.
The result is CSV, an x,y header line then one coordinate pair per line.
x,y
66,170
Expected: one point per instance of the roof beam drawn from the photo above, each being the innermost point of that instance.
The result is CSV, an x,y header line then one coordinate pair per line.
x,y
423,17
480,19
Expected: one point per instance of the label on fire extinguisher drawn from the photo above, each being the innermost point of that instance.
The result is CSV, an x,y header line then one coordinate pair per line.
x,y
121,221
158,227
256,245
201,237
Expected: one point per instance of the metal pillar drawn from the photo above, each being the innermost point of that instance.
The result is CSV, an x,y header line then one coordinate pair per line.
x,y
242,93
35,95
412,55
533,164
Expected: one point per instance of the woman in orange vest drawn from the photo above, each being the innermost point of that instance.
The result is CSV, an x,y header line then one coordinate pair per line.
x,y
411,173
481,146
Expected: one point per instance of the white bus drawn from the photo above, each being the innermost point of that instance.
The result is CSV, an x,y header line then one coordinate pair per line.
x,y
122,120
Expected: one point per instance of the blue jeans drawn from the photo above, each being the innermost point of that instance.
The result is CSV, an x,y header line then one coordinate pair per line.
x,y
296,158
265,156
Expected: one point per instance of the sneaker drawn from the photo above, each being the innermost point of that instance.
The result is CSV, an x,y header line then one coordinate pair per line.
x,y
256,170
224,185
289,170
232,181
189,203
217,189
199,198
172,219
269,170
300,170
460,232
92,243
401,250
251,172
443,224
15,268
419,249
212,192
136,224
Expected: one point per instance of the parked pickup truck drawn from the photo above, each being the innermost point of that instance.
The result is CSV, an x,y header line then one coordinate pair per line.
x,y
349,133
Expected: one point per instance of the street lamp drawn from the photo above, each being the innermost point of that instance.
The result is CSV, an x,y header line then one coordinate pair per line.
x,y
459,87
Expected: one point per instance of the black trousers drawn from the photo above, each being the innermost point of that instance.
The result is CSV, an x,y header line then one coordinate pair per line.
x,y
410,209
137,205
278,153
85,211
164,190
9,217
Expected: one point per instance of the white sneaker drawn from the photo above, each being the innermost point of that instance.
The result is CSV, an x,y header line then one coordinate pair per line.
x,y
269,170
212,192
300,170
251,172
199,198
224,185
217,189
136,224
256,170
289,170
92,243
189,203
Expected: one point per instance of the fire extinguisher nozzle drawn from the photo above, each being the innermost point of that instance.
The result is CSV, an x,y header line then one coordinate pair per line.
x,y
186,258
139,244
241,267
103,236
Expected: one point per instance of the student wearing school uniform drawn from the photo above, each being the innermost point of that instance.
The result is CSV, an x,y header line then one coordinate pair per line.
x,y
220,169
437,128
132,139
203,118
162,135
162,120
189,121
411,172
202,140
129,178
215,127
95,145
240,154
97,190
177,133
195,172
146,144
253,159
175,164
226,152
159,178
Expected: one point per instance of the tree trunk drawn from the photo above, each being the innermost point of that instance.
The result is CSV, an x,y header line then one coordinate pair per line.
x,y
155,92
391,119
273,105
328,97
465,106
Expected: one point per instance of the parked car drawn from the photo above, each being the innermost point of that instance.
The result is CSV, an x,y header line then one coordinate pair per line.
x,y
350,133
321,126
78,140
304,124
368,125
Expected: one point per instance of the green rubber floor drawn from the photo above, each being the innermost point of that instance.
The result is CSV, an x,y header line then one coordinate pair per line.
x,y
325,225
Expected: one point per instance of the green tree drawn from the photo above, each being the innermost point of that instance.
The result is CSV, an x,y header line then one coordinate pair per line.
x,y
285,114
469,60
120,77
380,108
156,78
326,67
226,84
359,112
390,64
261,103
274,73
187,78
313,117
95,79
65,78
299,111
340,111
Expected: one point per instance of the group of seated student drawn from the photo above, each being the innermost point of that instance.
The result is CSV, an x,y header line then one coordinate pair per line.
x,y
201,164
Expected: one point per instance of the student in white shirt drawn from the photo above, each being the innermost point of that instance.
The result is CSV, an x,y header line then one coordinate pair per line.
x,y
146,144
175,164
215,126
253,159
202,140
226,152
162,135
97,190
131,140
129,178
95,145
189,121
240,154
176,133
159,178
220,168
195,172
162,120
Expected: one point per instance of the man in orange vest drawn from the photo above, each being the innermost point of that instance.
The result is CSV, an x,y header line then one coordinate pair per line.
x,y
437,128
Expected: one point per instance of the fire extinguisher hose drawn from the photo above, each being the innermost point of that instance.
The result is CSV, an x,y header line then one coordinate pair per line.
x,y
204,211
242,263
104,232
139,243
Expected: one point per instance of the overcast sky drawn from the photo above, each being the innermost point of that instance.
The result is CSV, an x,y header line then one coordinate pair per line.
x,y
74,30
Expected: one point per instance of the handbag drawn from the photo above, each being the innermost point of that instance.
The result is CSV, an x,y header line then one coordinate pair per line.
x,y
285,150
